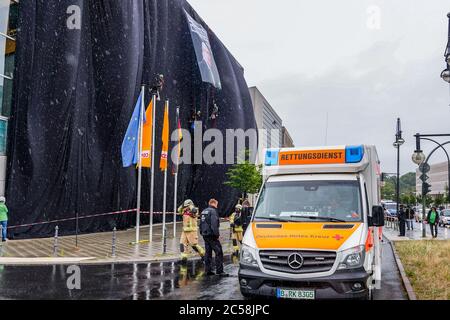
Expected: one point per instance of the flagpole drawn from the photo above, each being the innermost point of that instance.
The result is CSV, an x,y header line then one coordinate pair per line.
x,y
152,179
175,191
141,122
164,231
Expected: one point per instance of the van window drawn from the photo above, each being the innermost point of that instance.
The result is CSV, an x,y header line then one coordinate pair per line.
x,y
309,201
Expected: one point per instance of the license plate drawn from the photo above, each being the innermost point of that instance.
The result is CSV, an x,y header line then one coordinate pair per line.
x,y
296,294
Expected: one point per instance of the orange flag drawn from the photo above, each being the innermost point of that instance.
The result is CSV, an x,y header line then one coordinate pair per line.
x,y
147,137
165,139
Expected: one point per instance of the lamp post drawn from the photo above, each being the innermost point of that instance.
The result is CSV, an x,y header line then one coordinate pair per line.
x,y
445,74
420,159
399,141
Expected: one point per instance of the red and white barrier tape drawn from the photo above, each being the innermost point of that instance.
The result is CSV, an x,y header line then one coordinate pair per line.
x,y
83,217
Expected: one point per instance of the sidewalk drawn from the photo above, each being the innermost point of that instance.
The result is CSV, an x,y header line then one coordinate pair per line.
x,y
392,233
96,248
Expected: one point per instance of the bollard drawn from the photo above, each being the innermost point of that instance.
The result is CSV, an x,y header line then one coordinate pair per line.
x,y
55,243
445,232
114,238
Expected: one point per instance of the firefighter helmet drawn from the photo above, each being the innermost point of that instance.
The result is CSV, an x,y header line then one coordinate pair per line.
x,y
188,203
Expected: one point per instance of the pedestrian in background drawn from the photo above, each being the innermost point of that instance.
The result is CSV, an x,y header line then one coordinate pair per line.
x,y
433,221
3,218
401,215
410,215
210,230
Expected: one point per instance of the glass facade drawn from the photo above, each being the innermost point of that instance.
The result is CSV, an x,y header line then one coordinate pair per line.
x,y
8,30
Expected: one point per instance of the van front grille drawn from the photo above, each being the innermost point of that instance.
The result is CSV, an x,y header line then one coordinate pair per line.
x,y
311,261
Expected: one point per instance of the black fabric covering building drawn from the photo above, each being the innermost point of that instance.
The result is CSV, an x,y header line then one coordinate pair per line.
x,y
74,93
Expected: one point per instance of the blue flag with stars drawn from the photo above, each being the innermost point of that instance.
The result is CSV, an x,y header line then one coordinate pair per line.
x,y
130,144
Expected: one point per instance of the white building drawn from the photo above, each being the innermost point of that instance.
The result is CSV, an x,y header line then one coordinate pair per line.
x,y
269,123
438,179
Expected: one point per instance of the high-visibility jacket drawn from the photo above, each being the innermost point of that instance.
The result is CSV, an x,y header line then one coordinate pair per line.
x,y
236,222
189,219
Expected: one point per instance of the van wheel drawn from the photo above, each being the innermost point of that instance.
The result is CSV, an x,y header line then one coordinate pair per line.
x,y
247,296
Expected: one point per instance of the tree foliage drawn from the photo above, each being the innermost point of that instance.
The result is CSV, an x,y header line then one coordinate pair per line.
x,y
407,186
245,177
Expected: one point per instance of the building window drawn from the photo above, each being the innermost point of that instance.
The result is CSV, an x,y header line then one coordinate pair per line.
x,y
8,30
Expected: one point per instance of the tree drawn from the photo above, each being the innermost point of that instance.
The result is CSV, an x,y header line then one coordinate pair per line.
x,y
407,186
408,199
245,177
428,200
388,190
439,200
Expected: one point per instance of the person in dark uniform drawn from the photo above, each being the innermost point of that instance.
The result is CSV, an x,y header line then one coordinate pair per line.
x,y
209,229
401,215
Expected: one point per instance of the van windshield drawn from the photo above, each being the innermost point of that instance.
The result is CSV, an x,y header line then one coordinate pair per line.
x,y
309,201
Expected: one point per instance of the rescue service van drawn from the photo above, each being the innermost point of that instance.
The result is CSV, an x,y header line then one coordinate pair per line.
x,y
316,229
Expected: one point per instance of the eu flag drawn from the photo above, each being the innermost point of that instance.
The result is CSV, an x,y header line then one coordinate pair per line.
x,y
130,144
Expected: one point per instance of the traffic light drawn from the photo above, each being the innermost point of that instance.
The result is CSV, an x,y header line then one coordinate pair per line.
x,y
426,188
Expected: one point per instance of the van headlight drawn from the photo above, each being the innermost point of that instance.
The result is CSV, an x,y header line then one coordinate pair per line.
x,y
248,256
352,258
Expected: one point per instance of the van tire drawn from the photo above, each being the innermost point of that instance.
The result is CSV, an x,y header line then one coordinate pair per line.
x,y
247,296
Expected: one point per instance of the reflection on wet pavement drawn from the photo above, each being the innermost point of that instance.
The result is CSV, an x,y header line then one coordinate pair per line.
x,y
115,281
169,281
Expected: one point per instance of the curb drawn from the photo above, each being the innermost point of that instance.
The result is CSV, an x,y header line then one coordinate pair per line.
x,y
401,269
90,261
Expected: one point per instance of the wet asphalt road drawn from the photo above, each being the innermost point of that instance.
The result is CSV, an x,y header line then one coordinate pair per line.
x,y
149,281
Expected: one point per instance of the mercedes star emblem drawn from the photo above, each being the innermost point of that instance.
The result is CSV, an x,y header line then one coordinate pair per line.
x,y
295,261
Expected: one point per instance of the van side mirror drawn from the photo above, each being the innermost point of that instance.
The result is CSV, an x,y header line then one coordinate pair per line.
x,y
377,218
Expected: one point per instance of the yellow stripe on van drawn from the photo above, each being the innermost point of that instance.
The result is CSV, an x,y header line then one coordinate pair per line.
x,y
288,235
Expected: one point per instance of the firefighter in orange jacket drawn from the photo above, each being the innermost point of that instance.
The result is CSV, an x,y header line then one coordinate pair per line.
x,y
189,236
237,230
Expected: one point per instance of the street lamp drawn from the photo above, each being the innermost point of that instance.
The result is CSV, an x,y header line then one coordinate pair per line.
x,y
445,75
399,141
420,159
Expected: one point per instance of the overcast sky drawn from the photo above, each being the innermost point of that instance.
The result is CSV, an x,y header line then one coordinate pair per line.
x,y
310,58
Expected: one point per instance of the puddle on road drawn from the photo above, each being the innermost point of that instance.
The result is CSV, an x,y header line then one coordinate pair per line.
x,y
115,281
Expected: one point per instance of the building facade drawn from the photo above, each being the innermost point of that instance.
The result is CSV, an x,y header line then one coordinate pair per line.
x,y
269,123
8,29
287,141
438,179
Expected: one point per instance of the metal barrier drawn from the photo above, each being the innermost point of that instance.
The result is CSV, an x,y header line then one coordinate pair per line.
x,y
391,222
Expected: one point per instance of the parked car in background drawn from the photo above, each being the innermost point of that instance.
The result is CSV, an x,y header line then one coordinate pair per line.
x,y
418,212
391,208
445,218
